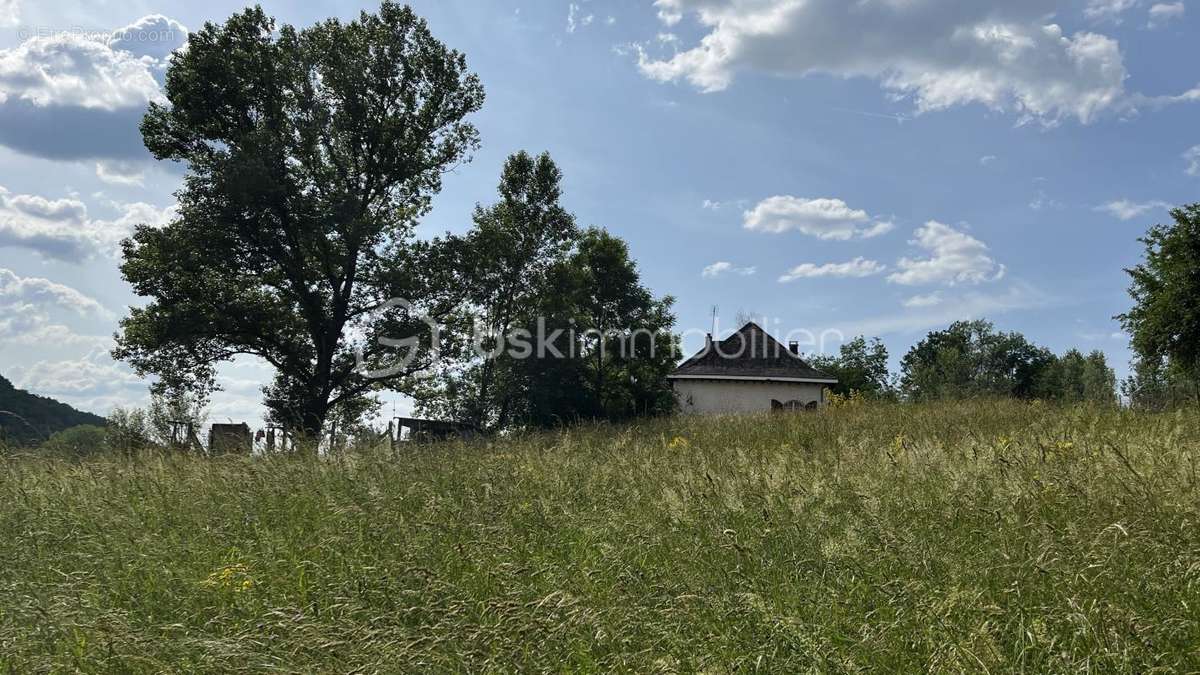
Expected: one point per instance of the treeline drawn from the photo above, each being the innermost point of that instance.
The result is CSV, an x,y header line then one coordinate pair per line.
x,y
28,418
971,359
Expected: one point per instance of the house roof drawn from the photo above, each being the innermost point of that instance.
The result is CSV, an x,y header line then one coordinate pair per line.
x,y
749,354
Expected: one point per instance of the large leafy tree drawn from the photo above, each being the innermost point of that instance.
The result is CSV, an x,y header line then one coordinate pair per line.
x,y
310,154
616,348
970,358
508,256
859,366
1164,322
558,326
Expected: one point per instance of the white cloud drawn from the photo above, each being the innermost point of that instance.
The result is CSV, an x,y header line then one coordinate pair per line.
x,y
969,305
61,229
120,173
857,268
821,218
37,291
1192,157
155,36
931,300
719,268
74,70
25,304
987,160
1165,12
10,13
1123,209
1108,10
71,95
954,258
943,53
576,18
94,382
71,210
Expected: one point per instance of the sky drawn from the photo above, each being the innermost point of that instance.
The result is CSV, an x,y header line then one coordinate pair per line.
x,y
882,167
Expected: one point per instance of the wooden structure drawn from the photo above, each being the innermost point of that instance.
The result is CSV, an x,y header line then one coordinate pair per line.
x,y
429,430
226,439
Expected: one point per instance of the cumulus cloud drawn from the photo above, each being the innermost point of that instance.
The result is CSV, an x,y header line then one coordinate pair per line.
x,y
18,290
25,304
78,96
93,382
48,209
821,218
62,230
720,268
954,257
1123,209
154,36
120,173
1165,12
857,268
1005,55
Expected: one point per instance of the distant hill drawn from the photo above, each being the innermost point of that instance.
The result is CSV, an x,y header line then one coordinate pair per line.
x,y
41,416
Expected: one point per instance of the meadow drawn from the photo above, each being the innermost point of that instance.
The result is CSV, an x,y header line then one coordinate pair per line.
x,y
989,536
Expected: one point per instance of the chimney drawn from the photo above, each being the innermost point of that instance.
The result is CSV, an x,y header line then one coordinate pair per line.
x,y
794,348
708,342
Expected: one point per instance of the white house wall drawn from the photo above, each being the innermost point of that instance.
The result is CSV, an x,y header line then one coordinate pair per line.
x,y
706,397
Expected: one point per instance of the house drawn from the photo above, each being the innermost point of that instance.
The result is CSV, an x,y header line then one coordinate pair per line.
x,y
748,372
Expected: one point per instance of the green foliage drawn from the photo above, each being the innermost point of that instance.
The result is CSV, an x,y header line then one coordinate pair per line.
x,y
617,343
531,273
971,359
1075,378
1164,322
129,430
860,367
1159,384
310,155
507,260
26,418
990,536
77,442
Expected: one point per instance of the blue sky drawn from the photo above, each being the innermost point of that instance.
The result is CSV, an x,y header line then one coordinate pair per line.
x,y
880,167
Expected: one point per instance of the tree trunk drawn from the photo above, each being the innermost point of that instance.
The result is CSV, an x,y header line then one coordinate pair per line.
x,y
312,422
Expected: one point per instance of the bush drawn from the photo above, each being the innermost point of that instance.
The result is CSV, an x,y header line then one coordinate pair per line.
x,y
81,441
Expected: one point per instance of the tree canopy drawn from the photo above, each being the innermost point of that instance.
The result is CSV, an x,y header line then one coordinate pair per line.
x,y
859,366
1164,322
971,358
310,155
558,326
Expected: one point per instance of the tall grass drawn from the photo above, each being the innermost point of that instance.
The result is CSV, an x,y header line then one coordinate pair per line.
x,y
988,537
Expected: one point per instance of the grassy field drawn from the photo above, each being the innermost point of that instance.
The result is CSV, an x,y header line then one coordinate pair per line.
x,y
974,537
